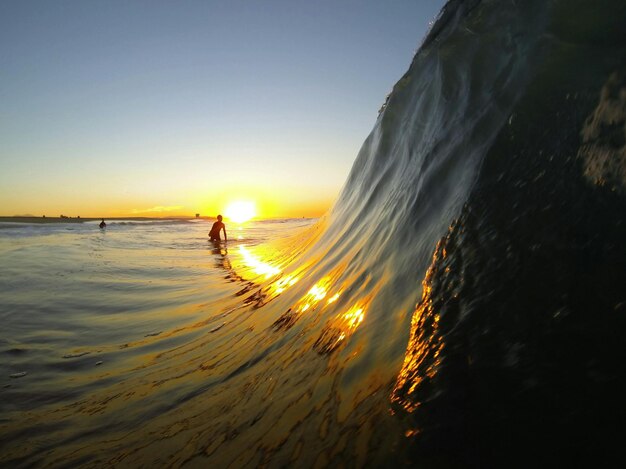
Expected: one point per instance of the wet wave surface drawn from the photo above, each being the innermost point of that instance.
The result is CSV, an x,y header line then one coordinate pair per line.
x,y
462,304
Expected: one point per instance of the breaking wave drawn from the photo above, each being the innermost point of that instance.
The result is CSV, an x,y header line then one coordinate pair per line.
x,y
462,304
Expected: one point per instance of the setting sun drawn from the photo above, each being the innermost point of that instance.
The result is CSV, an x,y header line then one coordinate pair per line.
x,y
240,211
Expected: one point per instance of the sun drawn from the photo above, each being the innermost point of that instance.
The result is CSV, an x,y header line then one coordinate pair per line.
x,y
240,211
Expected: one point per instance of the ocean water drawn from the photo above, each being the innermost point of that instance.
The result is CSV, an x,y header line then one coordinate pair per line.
x,y
463,303
92,316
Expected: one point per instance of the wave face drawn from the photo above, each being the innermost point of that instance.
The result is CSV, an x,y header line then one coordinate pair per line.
x,y
462,304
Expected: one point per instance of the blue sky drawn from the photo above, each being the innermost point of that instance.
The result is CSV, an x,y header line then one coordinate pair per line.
x,y
117,107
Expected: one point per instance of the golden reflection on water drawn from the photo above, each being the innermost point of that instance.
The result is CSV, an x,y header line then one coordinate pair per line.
x,y
333,298
314,296
267,270
353,317
282,284
309,302
318,292
321,295
423,354
259,267
342,326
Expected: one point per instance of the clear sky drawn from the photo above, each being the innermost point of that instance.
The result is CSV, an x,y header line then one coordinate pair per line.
x,y
156,108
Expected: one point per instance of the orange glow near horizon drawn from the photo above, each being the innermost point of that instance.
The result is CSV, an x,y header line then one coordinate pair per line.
x,y
279,205
275,203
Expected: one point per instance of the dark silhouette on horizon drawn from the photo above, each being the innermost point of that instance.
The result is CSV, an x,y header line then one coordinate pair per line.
x,y
102,224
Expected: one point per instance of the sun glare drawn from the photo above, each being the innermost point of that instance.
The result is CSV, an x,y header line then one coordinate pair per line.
x,y
240,211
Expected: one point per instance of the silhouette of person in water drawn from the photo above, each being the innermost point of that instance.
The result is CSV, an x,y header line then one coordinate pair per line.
x,y
214,234
102,224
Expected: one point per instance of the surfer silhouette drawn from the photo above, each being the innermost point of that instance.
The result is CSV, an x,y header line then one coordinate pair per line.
x,y
102,224
214,234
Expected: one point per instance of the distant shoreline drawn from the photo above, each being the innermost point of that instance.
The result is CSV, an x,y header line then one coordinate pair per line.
x,y
82,220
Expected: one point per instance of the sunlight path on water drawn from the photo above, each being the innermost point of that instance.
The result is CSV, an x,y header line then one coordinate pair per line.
x,y
260,267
